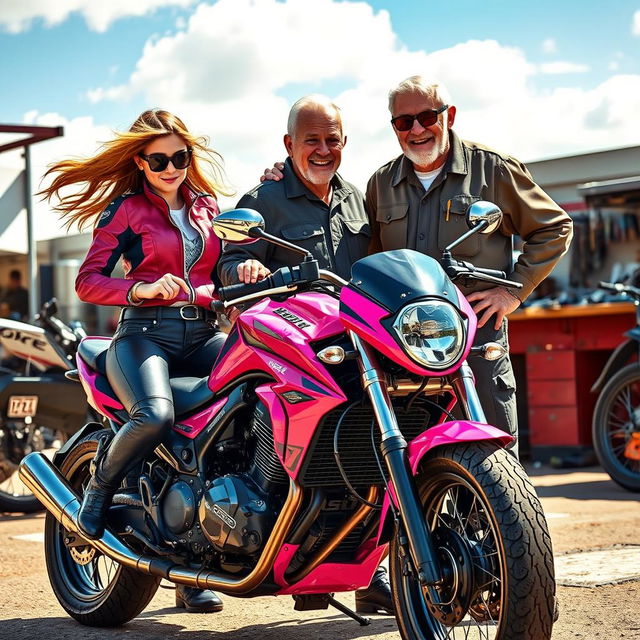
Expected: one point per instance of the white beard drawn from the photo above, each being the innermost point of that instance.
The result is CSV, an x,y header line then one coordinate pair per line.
x,y
421,158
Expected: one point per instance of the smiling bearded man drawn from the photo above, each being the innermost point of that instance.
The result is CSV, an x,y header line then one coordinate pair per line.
x,y
418,201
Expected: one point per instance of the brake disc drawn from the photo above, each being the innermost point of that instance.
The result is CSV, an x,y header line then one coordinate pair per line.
x,y
81,552
457,593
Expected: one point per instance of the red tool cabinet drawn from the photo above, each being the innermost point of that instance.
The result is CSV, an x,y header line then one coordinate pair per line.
x,y
563,352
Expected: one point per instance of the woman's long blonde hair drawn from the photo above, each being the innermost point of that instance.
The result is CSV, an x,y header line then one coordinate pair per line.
x,y
112,172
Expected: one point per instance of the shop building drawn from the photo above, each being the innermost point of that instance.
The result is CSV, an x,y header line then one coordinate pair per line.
x,y
559,350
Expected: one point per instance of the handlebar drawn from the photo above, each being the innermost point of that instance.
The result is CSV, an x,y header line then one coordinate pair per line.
x,y
494,273
47,319
618,287
283,280
456,269
241,289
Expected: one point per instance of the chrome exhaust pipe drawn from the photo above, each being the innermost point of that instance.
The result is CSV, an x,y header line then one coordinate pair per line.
x,y
53,491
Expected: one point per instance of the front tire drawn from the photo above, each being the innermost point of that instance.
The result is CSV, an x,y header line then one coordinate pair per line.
x,y
616,427
491,535
91,587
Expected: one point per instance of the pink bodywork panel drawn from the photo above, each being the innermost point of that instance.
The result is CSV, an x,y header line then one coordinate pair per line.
x,y
101,402
318,311
198,421
454,432
330,577
292,364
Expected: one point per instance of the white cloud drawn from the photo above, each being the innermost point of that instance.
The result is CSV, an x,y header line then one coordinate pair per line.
x,y
226,70
635,25
249,52
549,45
18,16
563,67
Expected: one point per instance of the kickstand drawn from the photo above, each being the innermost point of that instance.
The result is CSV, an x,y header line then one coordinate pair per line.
x,y
348,612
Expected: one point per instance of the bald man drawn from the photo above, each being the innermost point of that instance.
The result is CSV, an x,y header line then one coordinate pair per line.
x,y
312,206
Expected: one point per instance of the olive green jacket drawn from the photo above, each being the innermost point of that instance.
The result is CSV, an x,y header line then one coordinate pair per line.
x,y
403,215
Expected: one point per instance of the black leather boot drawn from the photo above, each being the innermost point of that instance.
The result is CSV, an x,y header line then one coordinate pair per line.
x,y
197,600
95,504
377,596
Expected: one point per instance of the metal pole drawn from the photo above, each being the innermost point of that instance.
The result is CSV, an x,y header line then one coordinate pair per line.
x,y
32,271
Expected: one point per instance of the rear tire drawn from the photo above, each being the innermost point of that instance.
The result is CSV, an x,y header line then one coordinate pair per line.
x,y
616,418
91,587
490,531
14,495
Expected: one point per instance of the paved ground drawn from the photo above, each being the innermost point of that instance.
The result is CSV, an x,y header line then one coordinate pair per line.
x,y
586,511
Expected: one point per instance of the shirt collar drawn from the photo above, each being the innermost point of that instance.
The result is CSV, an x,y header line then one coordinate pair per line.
x,y
457,160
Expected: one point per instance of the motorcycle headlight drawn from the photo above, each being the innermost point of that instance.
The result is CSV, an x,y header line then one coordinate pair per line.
x,y
432,333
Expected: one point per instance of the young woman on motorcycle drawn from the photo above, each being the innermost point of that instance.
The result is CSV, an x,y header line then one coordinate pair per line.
x,y
151,203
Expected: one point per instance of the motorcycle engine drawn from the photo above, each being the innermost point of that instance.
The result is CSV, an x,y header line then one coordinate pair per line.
x,y
234,516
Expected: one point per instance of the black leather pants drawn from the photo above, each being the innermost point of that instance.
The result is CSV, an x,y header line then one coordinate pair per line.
x,y
142,356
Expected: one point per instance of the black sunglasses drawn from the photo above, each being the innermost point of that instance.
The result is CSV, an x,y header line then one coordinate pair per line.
x,y
425,118
159,161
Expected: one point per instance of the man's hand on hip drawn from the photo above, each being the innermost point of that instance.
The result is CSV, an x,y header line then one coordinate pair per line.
x,y
251,271
496,301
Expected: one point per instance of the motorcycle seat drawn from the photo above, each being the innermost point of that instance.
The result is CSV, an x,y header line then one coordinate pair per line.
x,y
189,392
93,352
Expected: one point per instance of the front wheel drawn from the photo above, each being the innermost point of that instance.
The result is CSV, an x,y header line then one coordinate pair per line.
x,y
492,540
91,587
616,427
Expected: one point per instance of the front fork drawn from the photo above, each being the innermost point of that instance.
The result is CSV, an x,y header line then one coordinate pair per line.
x,y
393,447
464,386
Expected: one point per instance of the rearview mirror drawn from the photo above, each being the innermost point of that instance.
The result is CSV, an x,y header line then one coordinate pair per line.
x,y
485,215
239,226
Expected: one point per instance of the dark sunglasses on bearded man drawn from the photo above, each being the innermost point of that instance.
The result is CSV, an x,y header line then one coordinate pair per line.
x,y
426,119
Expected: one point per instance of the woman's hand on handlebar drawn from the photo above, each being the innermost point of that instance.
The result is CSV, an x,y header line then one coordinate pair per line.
x,y
275,173
251,271
167,288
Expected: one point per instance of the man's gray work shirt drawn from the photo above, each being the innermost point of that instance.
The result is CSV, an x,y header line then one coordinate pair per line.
x,y
336,235
404,216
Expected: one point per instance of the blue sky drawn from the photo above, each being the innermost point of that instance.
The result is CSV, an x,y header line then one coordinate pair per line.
x,y
535,79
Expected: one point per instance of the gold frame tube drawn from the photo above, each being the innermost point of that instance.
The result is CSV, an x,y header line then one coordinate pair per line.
x,y
338,537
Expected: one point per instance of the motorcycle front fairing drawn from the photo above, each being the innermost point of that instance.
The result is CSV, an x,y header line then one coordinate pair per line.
x,y
382,285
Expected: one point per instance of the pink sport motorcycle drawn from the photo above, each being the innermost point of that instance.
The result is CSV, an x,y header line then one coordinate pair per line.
x,y
322,441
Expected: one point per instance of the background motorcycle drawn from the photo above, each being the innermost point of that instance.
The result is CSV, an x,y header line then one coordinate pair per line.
x,y
288,471
616,417
39,407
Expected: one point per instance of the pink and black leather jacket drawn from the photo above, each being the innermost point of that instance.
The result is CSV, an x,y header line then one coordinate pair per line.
x,y
137,227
